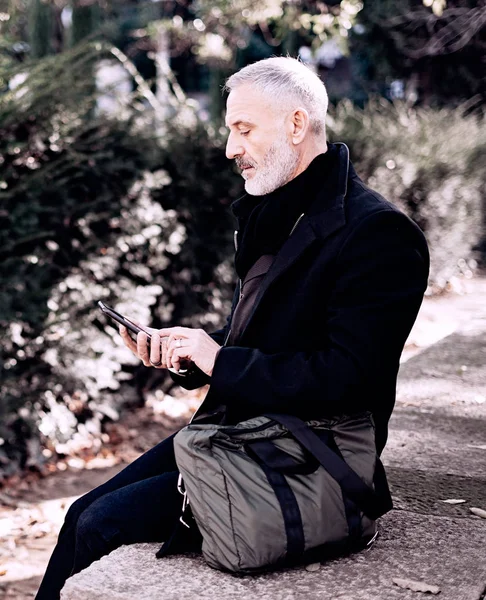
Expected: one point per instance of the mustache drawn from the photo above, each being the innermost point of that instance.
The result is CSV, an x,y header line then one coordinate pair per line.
x,y
243,164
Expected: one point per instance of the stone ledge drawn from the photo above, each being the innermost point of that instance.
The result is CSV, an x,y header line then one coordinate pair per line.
x,y
442,551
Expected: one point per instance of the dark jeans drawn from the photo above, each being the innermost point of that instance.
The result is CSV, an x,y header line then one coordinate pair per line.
x,y
140,504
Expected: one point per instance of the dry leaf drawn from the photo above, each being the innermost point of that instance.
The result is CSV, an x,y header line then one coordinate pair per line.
x,y
479,512
313,567
416,586
3,572
453,501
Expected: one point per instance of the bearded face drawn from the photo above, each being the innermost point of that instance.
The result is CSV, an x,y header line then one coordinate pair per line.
x,y
260,140
272,171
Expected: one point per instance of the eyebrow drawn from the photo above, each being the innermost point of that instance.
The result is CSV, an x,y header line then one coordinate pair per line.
x,y
241,122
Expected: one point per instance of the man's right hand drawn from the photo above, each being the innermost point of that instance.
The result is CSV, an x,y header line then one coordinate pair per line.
x,y
153,355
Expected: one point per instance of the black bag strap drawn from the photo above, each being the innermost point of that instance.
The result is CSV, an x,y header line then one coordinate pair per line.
x,y
265,452
294,529
374,504
351,509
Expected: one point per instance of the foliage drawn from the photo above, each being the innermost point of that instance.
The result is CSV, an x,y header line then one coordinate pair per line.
x,y
428,162
435,45
97,207
225,33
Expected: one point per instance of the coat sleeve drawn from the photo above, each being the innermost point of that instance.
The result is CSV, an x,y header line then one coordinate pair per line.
x,y
380,277
195,378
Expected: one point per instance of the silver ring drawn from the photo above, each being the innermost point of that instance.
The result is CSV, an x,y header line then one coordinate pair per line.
x,y
179,343
157,364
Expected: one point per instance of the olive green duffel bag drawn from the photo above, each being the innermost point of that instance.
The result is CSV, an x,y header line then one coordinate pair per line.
x,y
275,491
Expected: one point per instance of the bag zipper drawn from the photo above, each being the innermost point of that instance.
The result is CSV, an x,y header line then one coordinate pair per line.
x,y
185,502
261,427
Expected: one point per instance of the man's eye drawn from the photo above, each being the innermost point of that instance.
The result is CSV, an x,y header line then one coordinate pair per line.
x,y
245,132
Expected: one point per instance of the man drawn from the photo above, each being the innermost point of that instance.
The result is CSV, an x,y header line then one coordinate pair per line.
x,y
331,278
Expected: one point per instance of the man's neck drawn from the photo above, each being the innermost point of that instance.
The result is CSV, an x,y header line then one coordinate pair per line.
x,y
308,156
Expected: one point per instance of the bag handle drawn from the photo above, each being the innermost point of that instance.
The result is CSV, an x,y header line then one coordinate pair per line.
x,y
373,503
265,451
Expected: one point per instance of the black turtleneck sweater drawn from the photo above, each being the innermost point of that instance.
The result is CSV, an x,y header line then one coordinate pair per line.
x,y
265,222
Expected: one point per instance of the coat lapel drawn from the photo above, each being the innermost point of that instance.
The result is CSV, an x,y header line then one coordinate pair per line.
x,y
317,225
293,248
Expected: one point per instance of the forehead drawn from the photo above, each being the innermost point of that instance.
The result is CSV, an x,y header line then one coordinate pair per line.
x,y
247,105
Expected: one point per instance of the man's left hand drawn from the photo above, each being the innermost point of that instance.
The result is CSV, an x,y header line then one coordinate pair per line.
x,y
192,345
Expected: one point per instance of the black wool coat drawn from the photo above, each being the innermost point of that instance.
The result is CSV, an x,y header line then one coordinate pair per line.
x,y
332,315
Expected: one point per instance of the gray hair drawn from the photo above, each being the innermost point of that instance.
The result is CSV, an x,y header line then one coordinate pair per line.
x,y
286,79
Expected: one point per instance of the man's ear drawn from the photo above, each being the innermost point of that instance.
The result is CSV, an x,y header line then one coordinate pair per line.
x,y
299,125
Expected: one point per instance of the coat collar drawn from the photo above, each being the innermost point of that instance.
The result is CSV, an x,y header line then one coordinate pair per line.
x,y
324,217
326,214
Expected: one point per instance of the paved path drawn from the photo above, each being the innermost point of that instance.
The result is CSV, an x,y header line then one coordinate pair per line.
x,y
436,452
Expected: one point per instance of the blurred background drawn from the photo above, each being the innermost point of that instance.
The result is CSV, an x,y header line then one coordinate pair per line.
x,y
114,185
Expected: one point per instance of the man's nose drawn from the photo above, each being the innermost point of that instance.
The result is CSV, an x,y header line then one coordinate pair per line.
x,y
233,149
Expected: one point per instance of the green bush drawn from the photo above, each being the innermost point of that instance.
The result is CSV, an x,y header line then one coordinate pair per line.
x,y
427,162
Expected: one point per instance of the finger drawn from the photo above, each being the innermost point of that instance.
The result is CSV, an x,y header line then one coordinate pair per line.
x,y
179,331
127,339
172,344
163,345
155,354
168,353
180,354
173,337
170,349
175,361
177,355
142,348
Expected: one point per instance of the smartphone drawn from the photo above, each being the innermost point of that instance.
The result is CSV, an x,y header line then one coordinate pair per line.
x,y
119,318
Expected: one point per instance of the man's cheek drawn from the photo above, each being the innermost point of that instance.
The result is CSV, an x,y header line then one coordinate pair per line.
x,y
250,157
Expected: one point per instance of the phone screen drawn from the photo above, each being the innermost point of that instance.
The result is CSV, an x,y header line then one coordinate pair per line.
x,y
119,318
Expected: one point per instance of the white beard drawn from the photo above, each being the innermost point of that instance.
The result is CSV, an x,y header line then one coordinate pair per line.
x,y
275,170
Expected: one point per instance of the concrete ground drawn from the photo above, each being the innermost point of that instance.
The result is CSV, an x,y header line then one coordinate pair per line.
x,y
436,453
